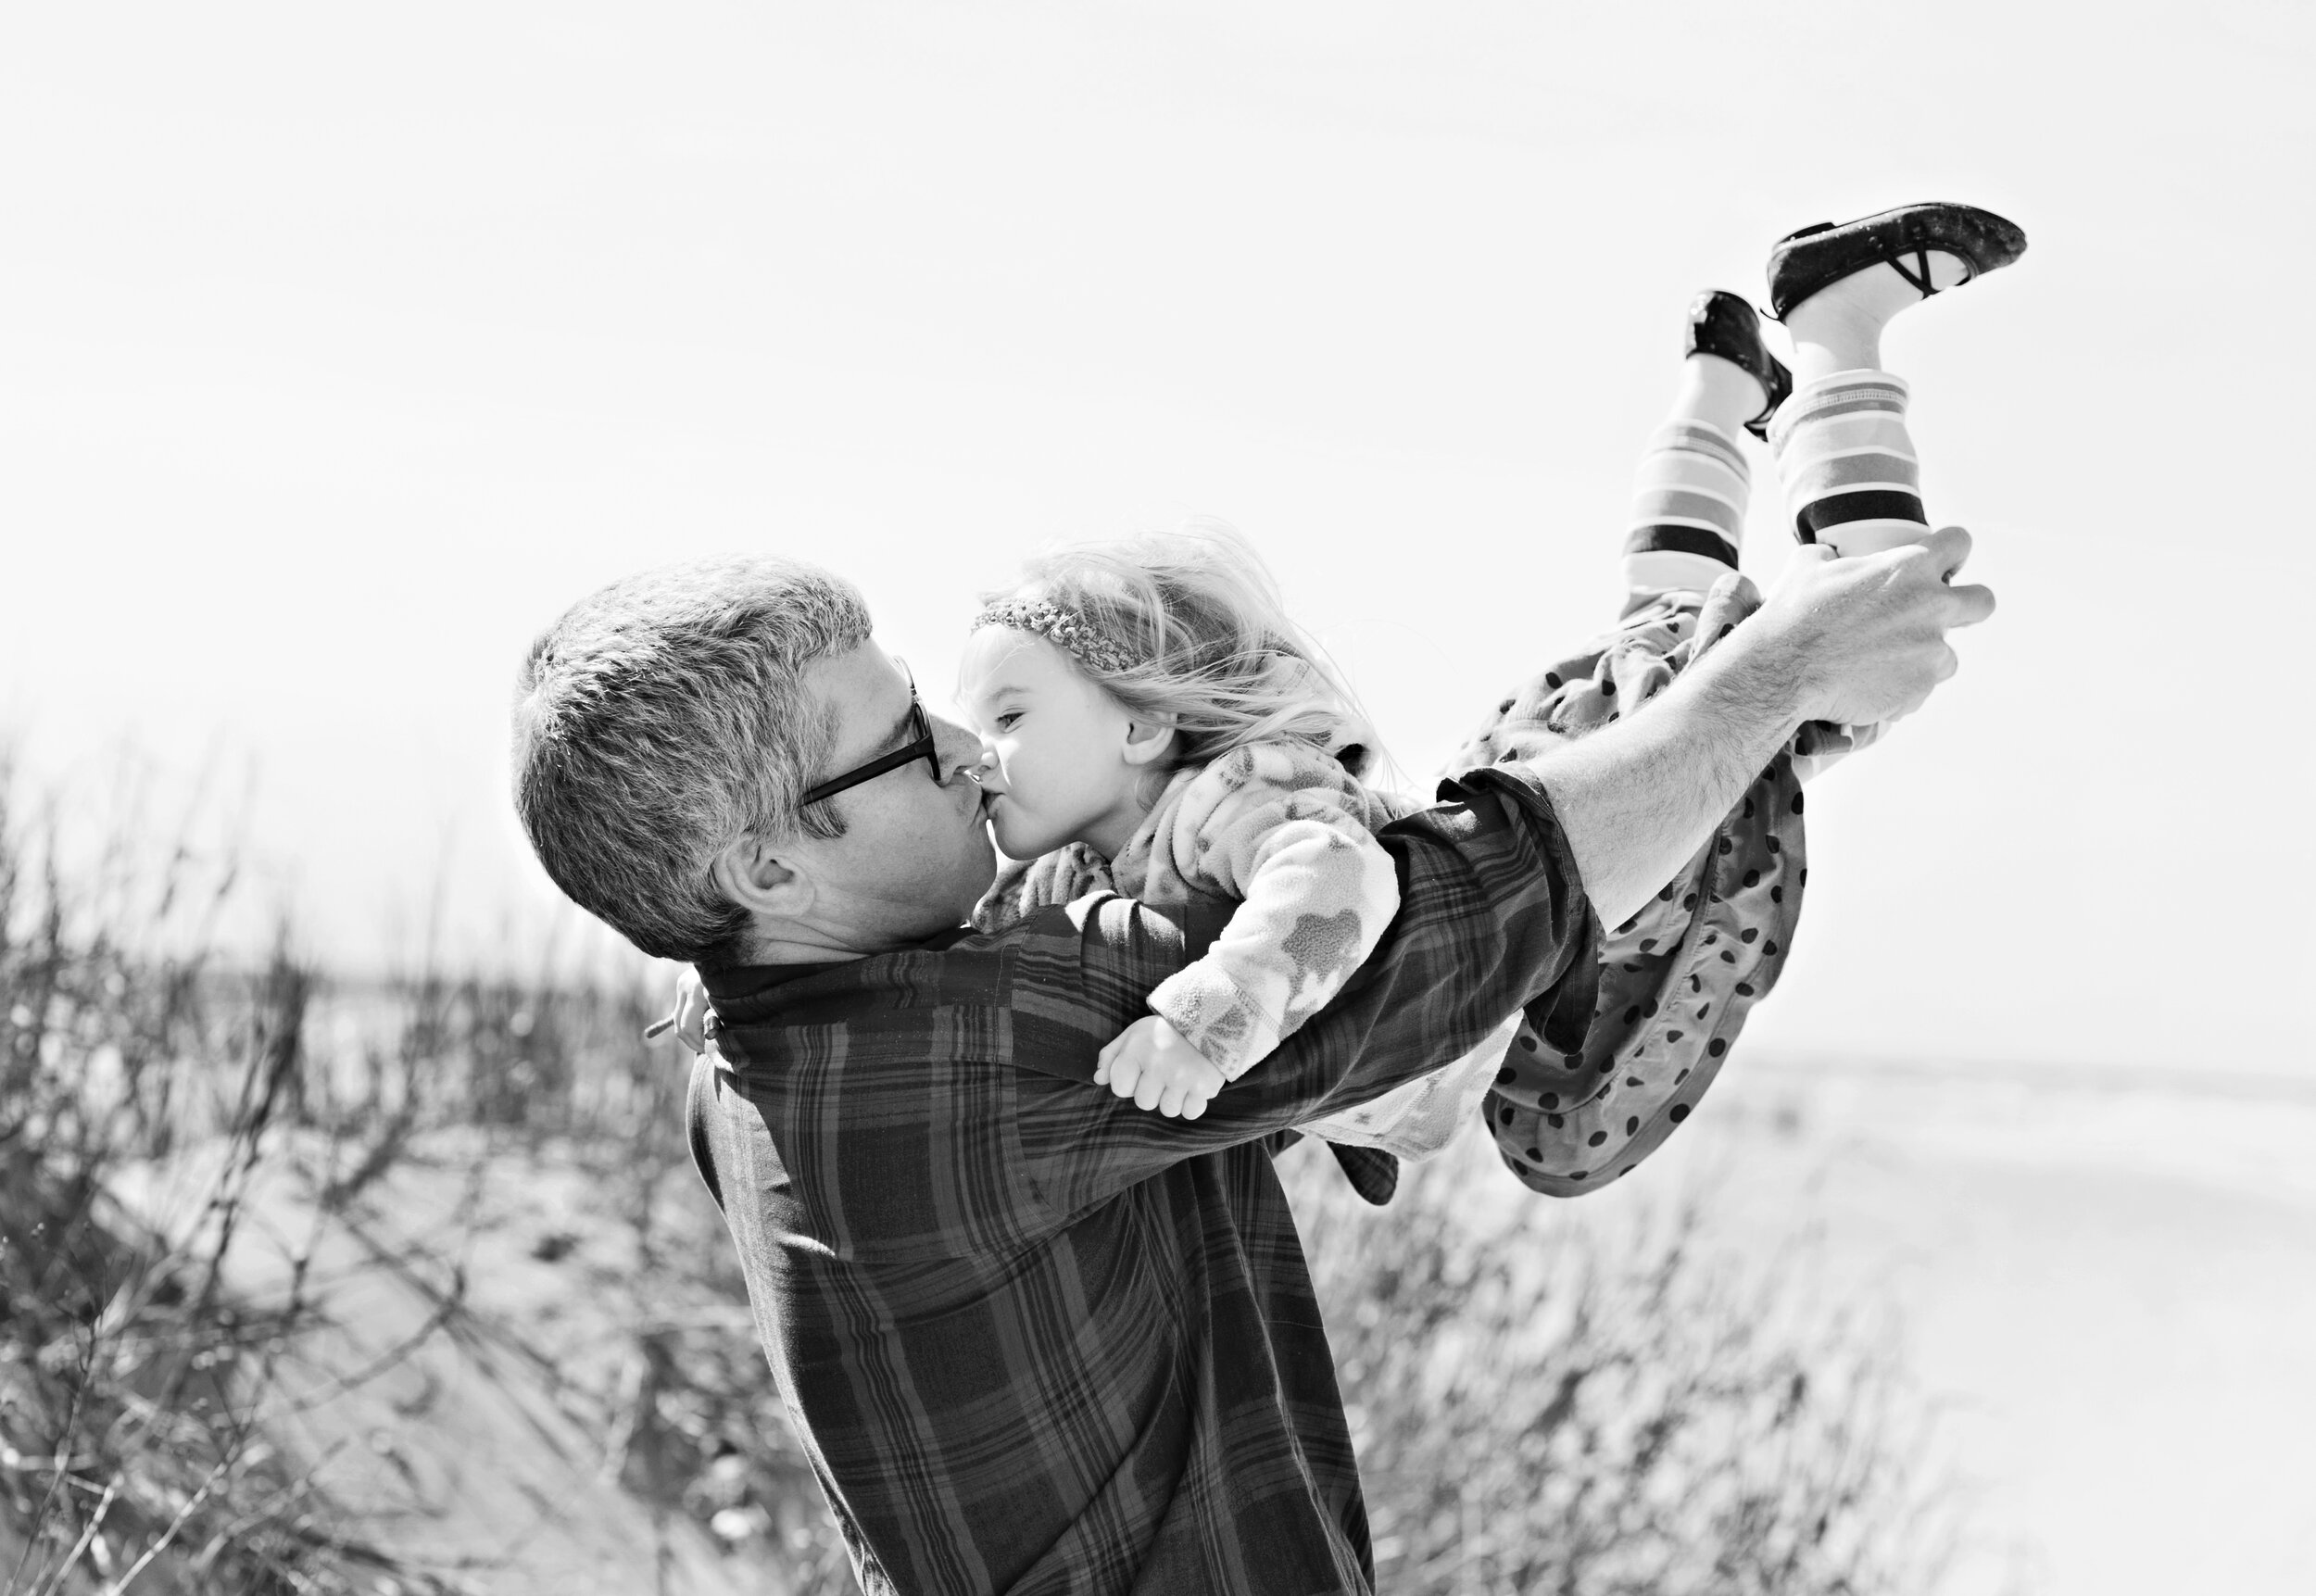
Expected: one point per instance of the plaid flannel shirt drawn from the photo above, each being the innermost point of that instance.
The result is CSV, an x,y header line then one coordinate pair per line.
x,y
1033,1338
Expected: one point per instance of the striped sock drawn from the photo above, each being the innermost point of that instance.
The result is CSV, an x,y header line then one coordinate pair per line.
x,y
1847,463
1688,511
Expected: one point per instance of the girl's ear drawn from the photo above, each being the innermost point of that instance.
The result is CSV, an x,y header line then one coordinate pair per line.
x,y
1147,742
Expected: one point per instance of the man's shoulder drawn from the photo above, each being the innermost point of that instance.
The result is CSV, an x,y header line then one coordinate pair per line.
x,y
953,969
1084,966
1088,965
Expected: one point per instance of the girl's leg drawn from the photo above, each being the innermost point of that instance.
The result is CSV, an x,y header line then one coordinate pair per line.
x,y
1839,327
1689,501
1844,455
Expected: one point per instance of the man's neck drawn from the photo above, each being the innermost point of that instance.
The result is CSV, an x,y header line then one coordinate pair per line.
x,y
815,945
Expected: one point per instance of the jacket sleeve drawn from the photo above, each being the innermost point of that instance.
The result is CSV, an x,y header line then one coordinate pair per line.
x,y
1280,830
1024,885
1493,915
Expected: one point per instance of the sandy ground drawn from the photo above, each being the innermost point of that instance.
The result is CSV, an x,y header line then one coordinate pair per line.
x,y
456,1395
2109,1283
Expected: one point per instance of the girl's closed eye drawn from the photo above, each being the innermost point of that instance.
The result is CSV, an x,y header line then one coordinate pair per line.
x,y
1004,722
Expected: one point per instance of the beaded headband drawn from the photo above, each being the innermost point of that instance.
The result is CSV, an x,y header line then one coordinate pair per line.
x,y
1065,629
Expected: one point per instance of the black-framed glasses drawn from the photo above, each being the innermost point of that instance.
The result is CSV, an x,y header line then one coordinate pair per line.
x,y
919,746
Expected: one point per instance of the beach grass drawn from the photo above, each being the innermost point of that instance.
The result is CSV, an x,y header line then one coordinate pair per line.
x,y
205,1156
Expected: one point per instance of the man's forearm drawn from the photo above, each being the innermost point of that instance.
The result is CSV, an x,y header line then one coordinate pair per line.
x,y
1637,798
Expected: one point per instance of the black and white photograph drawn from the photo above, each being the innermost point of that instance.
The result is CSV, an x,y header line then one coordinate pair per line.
x,y
1138,797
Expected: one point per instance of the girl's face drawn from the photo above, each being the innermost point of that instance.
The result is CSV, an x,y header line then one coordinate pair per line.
x,y
1058,760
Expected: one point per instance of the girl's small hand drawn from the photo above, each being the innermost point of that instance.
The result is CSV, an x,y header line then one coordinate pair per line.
x,y
1154,1064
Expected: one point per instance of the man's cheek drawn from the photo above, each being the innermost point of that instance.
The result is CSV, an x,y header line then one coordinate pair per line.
x,y
978,878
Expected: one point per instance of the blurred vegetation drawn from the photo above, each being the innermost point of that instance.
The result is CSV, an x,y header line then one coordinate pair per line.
x,y
131,1379
1549,1401
1540,1406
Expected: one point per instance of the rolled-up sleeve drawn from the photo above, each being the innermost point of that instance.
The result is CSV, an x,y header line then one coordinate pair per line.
x,y
1583,1097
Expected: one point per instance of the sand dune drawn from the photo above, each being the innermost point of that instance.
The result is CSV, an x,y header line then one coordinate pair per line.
x,y
2109,1281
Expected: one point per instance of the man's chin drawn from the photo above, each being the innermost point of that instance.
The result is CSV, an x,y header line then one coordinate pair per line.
x,y
984,871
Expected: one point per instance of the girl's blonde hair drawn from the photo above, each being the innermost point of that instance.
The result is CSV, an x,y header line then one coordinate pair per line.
x,y
1185,627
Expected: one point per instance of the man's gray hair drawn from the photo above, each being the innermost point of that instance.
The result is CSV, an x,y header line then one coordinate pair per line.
x,y
666,717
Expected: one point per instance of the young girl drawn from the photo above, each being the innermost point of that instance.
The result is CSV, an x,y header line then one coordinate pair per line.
x,y
1155,724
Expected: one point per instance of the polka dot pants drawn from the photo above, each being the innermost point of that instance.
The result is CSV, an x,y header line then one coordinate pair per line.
x,y
1577,1105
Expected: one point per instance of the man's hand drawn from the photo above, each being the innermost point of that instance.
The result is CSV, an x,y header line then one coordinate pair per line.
x,y
1853,641
1868,635
1151,1063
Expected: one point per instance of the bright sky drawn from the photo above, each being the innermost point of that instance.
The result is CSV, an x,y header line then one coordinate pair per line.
x,y
340,348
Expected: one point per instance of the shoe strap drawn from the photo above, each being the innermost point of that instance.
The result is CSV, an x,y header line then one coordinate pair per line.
x,y
1918,277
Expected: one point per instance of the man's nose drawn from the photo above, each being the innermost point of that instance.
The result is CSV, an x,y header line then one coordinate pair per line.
x,y
987,771
958,750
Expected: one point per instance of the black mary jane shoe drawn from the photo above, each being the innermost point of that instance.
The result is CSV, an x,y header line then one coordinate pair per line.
x,y
1822,254
1726,324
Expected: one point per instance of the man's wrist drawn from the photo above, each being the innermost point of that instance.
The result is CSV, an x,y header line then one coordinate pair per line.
x,y
1637,799
1757,682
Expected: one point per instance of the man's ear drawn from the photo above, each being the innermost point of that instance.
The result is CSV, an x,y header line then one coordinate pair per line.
x,y
1147,741
750,874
